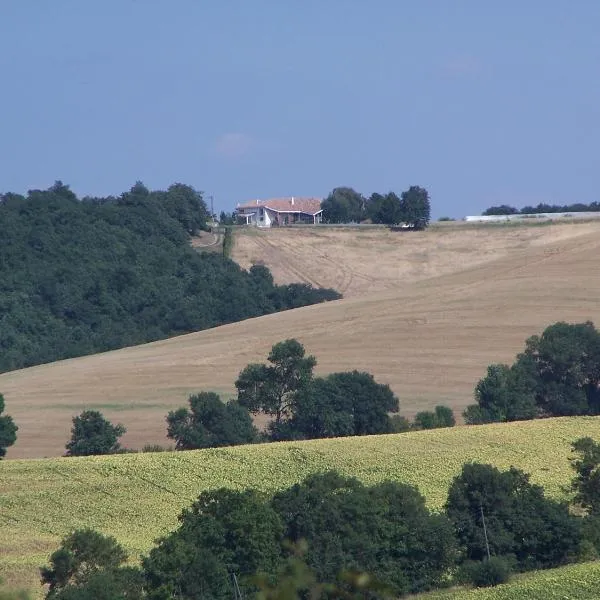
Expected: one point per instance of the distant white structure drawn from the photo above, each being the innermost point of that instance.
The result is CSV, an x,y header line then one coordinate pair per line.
x,y
281,211
532,216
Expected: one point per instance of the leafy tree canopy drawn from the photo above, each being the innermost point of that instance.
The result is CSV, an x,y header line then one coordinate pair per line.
x,y
343,205
84,276
543,208
520,521
342,404
210,423
586,483
441,416
93,434
8,430
385,530
272,389
90,566
416,207
558,374
224,533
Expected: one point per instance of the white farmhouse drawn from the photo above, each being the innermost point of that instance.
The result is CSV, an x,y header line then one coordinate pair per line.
x,y
281,211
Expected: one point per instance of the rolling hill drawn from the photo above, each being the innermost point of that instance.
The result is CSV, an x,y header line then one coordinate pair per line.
x,y
440,306
137,497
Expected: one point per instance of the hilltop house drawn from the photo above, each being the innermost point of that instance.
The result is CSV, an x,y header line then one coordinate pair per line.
x,y
281,211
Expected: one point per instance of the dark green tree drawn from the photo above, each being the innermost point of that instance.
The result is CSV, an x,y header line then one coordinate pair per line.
x,y
441,416
80,277
224,533
93,434
416,207
390,211
373,207
272,389
505,394
210,423
8,430
503,209
520,521
343,205
385,531
567,360
342,404
558,374
89,565
586,483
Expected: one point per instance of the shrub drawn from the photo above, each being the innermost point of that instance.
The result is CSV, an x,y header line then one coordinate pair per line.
x,y
488,572
399,424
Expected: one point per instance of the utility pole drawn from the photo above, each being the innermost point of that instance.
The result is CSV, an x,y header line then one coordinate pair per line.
x,y
212,208
487,544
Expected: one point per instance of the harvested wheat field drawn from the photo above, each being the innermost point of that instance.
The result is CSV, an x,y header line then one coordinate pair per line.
x,y
427,324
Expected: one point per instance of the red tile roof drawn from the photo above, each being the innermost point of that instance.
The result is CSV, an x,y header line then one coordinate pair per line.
x,y
309,206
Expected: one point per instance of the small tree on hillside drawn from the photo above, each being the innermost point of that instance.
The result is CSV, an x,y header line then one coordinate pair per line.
x,y
558,374
210,423
342,404
90,566
8,430
272,388
93,434
442,416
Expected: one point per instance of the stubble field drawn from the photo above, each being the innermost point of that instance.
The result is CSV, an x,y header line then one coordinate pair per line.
x,y
425,312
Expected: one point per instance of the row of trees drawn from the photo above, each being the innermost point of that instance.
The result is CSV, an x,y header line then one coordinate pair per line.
x,y
298,404
84,276
558,374
505,209
354,540
345,205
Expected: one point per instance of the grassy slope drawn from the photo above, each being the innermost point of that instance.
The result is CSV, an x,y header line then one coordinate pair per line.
x,y
430,339
137,497
573,582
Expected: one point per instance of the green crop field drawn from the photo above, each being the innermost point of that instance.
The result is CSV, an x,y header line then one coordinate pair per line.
x,y
573,582
137,497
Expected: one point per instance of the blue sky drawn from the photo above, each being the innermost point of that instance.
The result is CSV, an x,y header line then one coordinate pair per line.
x,y
481,102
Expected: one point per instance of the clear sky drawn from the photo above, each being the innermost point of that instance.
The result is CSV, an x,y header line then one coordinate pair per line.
x,y
481,102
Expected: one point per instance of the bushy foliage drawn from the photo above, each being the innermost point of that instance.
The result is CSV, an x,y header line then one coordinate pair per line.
x,y
90,566
586,483
558,374
8,430
542,208
488,572
273,389
210,423
415,207
343,205
224,533
92,434
304,407
85,276
385,530
520,521
341,404
441,416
